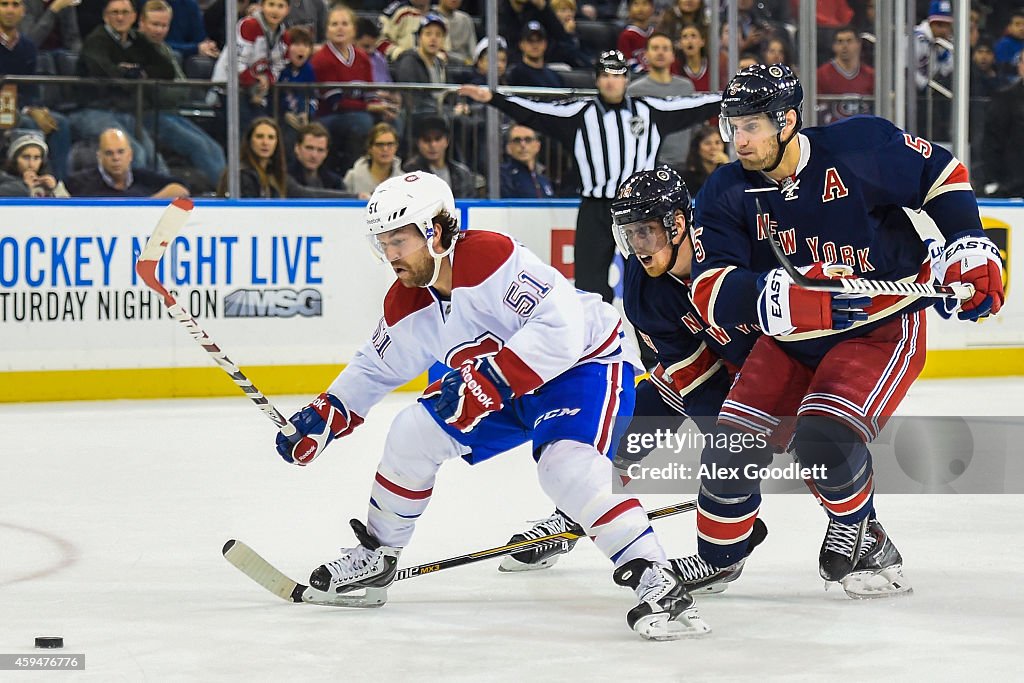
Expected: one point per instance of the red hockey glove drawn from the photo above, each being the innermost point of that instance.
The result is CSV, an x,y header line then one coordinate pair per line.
x,y
319,423
468,394
784,308
971,259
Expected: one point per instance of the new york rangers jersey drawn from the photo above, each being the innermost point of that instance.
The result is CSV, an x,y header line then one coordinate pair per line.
x,y
843,205
506,303
695,362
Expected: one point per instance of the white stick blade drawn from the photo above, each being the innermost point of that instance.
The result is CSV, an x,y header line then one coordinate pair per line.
x,y
171,222
249,562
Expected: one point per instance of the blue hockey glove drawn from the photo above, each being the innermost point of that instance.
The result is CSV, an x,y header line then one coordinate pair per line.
x,y
469,393
322,421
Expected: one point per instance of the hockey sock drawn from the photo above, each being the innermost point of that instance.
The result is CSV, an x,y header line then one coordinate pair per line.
x,y
729,499
578,479
843,474
723,527
415,449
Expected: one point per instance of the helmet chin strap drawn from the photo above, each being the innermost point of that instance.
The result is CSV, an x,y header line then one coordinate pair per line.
x,y
438,258
780,153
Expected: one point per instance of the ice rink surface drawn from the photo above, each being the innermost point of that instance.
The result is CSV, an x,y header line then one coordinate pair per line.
x,y
113,515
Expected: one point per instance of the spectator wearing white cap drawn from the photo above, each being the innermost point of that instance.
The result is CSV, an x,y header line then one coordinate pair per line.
x,y
461,32
25,174
481,61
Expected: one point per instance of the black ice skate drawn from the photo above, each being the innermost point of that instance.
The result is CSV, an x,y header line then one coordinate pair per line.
x,y
841,548
879,571
700,577
543,556
665,611
369,565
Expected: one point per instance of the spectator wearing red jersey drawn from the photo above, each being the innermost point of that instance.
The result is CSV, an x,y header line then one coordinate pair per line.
x,y
846,75
692,60
633,39
346,112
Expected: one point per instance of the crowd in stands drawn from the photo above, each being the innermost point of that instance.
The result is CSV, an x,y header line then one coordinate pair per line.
x,y
303,140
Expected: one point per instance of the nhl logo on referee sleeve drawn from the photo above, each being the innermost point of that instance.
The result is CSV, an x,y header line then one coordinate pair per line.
x,y
637,126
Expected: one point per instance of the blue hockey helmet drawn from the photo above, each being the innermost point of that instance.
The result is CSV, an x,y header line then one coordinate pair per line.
x,y
650,195
771,89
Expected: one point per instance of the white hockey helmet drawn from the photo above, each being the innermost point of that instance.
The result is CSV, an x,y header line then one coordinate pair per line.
x,y
410,199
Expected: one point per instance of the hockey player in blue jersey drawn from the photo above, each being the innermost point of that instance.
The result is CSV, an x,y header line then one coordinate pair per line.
x,y
651,216
833,197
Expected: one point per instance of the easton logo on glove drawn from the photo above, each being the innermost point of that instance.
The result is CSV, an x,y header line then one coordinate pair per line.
x,y
970,259
784,308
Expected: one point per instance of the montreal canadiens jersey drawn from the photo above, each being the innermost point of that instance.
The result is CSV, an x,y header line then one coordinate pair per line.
x,y
695,361
505,303
843,205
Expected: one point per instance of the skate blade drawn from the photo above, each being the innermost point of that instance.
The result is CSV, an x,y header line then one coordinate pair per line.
x,y
888,583
510,564
661,627
372,597
713,589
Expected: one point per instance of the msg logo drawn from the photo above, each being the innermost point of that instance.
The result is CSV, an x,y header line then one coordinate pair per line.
x,y
272,303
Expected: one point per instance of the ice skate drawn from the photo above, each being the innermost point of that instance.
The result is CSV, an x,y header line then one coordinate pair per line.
x,y
700,577
542,556
841,548
879,571
665,611
369,565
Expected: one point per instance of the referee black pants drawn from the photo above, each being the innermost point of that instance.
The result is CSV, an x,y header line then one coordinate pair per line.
x,y
595,246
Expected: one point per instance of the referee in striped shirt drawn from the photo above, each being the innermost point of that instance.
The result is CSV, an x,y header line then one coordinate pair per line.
x,y
612,136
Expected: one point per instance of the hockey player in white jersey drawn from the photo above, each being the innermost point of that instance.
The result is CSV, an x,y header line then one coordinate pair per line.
x,y
534,360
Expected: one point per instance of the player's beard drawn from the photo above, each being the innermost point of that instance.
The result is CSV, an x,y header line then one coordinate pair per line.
x,y
415,274
760,163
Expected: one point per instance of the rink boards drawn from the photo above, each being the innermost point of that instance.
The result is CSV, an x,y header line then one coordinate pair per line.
x,y
289,290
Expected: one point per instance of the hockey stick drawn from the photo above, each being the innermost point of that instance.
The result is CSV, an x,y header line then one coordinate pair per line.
x,y
265,574
171,222
861,285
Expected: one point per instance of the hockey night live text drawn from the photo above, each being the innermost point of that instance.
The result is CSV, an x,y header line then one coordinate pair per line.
x,y
77,266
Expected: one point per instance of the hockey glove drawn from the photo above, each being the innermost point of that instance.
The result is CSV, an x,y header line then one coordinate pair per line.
x,y
784,308
319,423
469,393
970,259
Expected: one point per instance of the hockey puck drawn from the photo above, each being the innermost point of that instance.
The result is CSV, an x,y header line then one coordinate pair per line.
x,y
49,642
